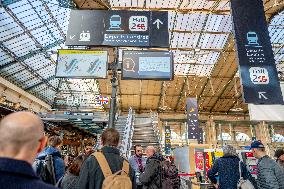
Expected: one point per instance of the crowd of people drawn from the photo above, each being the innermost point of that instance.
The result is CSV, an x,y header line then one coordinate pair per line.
x,y
26,162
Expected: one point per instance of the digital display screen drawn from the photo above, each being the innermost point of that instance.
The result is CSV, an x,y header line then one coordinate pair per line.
x,y
156,65
82,64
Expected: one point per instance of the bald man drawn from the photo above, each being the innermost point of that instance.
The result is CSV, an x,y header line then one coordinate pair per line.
x,y
151,177
22,138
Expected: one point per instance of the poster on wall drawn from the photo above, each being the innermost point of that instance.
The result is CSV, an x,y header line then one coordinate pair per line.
x,y
259,77
81,64
199,160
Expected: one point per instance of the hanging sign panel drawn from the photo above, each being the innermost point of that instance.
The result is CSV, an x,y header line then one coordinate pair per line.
x,y
167,140
118,28
257,67
194,132
157,65
81,64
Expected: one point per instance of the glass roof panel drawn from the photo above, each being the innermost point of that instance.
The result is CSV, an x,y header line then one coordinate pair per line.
x,y
4,58
8,28
21,45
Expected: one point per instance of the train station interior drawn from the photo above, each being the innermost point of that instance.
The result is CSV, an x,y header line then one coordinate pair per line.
x,y
197,95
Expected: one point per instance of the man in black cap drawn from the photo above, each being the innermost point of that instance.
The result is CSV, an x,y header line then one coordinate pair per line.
x,y
269,174
279,154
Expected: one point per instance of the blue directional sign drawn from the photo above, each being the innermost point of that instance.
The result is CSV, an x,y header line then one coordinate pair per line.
x,y
259,78
118,28
168,140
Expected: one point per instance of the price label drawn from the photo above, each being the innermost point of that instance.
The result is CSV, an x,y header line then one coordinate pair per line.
x,y
138,23
259,75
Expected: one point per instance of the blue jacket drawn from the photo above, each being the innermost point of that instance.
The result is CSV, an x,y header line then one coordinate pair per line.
x,y
227,168
59,165
16,174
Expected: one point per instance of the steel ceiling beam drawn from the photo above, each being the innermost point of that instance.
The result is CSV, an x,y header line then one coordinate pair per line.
x,y
198,42
223,90
40,83
28,68
161,95
53,19
198,32
180,94
237,99
33,53
178,10
20,34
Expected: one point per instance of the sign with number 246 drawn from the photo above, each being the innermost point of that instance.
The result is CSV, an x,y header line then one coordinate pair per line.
x,y
259,75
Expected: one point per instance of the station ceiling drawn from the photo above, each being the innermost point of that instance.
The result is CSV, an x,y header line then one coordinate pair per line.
x,y
201,39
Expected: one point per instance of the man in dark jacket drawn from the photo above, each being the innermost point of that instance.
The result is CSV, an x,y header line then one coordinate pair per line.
x,y
54,144
151,177
22,137
227,168
269,174
91,175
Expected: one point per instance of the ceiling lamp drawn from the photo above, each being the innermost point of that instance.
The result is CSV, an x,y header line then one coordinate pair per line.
x,y
192,61
2,99
17,105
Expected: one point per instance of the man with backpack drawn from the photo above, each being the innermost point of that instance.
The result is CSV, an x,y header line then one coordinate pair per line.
x,y
107,169
49,165
159,173
22,137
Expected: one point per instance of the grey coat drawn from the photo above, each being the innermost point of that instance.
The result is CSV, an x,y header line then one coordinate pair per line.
x,y
69,181
269,174
133,163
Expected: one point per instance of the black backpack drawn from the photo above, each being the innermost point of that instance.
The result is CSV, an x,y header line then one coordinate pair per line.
x,y
44,168
169,175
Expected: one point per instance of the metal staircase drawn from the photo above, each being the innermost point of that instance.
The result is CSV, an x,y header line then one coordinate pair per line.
x,y
120,125
144,133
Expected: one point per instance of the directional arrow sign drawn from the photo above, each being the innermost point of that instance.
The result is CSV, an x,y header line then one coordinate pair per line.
x,y
261,95
258,73
158,22
72,37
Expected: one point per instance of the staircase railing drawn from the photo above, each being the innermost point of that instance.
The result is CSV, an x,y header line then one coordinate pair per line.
x,y
126,142
158,134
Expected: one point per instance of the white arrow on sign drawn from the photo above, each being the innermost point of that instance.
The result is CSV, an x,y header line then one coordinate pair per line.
x,y
261,95
158,22
72,37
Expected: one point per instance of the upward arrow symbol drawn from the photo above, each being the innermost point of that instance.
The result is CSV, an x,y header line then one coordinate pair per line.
x,y
158,22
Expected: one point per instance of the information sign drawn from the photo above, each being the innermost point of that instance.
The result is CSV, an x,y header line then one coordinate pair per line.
x,y
257,67
81,64
118,28
157,65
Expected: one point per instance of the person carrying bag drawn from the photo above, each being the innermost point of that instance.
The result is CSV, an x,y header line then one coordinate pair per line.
x,y
244,184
